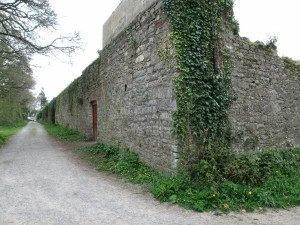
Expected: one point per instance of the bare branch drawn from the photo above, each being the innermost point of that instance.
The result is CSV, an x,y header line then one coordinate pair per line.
x,y
21,24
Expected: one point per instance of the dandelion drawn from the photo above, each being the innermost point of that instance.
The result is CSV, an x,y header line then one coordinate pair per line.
x,y
213,195
250,193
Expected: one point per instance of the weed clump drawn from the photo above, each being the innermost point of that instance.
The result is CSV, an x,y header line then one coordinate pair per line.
x,y
63,133
122,162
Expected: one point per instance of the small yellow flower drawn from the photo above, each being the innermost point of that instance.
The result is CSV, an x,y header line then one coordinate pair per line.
x,y
250,193
213,195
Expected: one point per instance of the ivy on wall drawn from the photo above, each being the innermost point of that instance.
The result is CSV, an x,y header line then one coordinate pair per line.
x,y
48,112
203,87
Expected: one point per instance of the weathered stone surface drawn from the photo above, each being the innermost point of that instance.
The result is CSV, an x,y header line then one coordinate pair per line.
x,y
124,14
266,112
133,90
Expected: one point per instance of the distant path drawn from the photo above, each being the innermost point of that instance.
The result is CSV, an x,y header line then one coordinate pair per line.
x,y
43,183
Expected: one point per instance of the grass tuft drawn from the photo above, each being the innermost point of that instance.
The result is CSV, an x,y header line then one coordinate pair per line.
x,y
62,133
9,130
122,162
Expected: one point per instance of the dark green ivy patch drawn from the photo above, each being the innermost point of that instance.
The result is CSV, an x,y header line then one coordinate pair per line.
x,y
203,87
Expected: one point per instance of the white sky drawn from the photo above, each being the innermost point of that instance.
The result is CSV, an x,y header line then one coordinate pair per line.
x,y
259,19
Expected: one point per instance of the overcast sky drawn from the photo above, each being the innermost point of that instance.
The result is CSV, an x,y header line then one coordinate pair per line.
x,y
259,19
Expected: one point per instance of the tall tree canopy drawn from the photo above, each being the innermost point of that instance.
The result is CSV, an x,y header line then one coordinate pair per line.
x,y
16,81
15,74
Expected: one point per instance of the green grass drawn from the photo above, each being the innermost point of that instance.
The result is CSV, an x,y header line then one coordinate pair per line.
x,y
121,162
9,130
62,133
270,179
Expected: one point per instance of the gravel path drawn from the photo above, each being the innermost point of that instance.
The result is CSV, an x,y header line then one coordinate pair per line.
x,y
43,183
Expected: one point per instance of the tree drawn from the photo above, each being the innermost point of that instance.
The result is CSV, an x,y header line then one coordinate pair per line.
x,y
15,106
15,74
15,83
22,21
42,99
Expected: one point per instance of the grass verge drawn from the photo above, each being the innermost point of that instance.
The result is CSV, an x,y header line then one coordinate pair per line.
x,y
62,133
9,130
124,163
277,171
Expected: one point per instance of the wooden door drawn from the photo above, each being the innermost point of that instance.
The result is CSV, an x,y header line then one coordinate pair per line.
x,y
94,112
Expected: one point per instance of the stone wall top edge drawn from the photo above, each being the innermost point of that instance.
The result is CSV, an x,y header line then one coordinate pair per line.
x,y
122,16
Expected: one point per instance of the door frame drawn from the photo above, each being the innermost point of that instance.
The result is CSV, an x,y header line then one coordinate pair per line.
x,y
94,120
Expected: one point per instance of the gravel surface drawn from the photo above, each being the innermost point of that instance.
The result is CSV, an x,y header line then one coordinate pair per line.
x,y
41,182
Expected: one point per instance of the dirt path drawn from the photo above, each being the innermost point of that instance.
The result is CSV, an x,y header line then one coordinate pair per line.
x,y
42,183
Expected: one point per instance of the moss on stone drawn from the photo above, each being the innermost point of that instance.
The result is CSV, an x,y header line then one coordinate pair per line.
x,y
290,64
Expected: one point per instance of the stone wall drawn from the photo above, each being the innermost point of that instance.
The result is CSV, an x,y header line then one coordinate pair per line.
x,y
73,107
123,15
267,111
133,91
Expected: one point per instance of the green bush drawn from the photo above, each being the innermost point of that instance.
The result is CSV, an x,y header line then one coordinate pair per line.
x,y
257,168
2,139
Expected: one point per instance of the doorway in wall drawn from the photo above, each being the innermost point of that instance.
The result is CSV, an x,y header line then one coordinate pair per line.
x,y
94,116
